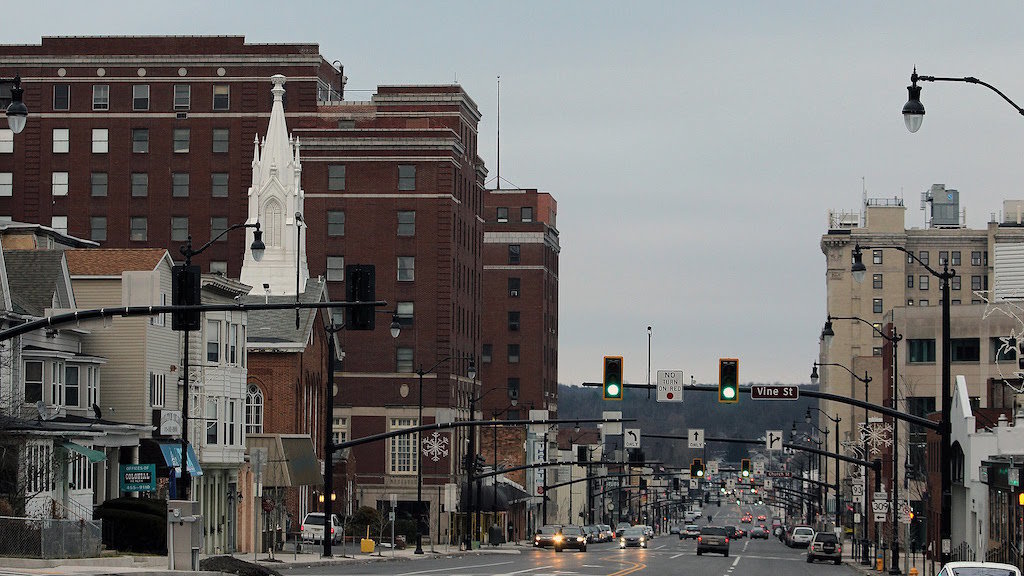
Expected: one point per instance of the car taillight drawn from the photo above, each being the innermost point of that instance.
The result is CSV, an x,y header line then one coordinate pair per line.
x,y
839,548
301,527
332,530
700,538
726,540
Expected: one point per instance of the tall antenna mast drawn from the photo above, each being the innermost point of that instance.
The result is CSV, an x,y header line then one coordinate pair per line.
x,y
497,183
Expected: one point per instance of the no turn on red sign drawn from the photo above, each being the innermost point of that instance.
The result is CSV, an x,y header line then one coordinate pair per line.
x,y
670,385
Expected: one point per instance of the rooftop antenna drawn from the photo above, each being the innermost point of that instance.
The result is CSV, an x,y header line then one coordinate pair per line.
x,y
497,183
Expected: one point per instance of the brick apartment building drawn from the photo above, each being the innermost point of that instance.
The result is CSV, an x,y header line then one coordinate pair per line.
x,y
143,141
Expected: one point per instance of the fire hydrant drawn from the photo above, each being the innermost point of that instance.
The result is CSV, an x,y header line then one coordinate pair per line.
x,y
912,572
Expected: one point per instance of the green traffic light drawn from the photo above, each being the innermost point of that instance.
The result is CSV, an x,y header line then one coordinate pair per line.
x,y
729,393
613,389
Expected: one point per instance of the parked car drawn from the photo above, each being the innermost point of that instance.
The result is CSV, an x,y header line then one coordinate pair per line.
x,y
714,539
825,546
978,569
312,528
800,537
571,537
545,535
607,534
690,531
592,533
633,536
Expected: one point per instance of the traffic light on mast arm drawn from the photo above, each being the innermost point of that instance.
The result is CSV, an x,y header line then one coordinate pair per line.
x,y
697,468
728,380
745,468
612,378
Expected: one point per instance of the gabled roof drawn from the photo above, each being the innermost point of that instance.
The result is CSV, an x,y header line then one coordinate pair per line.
x,y
34,276
113,261
269,327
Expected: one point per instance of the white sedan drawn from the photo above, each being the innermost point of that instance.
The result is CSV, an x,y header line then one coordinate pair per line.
x,y
978,569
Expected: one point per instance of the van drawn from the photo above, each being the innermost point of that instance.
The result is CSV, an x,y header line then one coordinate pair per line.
x,y
312,528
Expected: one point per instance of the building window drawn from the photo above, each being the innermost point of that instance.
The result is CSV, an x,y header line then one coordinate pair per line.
x,y
221,139
910,280
513,253
943,257
402,449
101,97
213,341
485,353
876,256
976,258
922,302
975,282
179,184
140,140
403,360
340,430
1001,350
955,259
232,343
100,140
140,184
335,223
33,381
406,177
219,267
513,287
211,420
955,302
526,214
61,96
229,426
181,140
406,223
923,257
98,184
406,268
157,389
253,410
57,383
59,183
6,141
6,184
965,350
513,353
922,282
179,228
98,228
876,281
221,97
405,311
876,305
921,351
954,283
502,214
139,229
877,332
140,97
61,140
182,96
336,177
335,268
59,223
39,468
876,351
219,184
513,321
92,388
218,224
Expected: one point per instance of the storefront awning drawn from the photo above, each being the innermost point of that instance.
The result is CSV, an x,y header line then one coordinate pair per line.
x,y
172,456
93,455
291,459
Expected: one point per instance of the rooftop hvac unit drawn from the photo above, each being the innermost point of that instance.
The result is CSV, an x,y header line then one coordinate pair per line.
x,y
945,205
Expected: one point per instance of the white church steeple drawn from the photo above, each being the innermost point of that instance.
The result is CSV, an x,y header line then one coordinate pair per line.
x,y
275,198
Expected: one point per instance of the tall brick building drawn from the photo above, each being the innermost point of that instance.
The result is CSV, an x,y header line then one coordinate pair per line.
x,y
143,141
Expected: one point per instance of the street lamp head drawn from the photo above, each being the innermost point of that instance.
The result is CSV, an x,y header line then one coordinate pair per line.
x,y
807,415
17,112
814,373
472,370
827,333
396,328
913,110
258,247
858,269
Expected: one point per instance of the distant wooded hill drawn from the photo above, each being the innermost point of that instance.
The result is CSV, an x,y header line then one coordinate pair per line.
x,y
744,419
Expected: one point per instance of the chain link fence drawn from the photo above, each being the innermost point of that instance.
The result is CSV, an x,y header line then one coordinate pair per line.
x,y
50,538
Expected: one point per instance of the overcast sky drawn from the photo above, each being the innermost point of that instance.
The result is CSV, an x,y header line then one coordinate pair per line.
x,y
694,148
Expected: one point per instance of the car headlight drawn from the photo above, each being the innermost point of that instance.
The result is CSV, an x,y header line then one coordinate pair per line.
x,y
641,538
579,539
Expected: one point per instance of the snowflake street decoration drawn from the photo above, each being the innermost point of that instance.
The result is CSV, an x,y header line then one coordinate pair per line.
x,y
876,435
1006,357
435,446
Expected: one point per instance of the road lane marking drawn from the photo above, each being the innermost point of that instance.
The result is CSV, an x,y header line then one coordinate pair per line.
x,y
461,568
676,556
636,566
526,570
736,561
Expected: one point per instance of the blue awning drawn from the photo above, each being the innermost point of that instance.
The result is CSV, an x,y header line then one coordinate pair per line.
x,y
172,456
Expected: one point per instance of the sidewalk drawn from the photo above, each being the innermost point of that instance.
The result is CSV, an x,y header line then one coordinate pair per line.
x,y
157,565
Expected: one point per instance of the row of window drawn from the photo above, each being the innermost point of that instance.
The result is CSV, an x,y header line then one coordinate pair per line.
x,y
232,336
922,351
182,97
99,184
978,257
336,177
222,424
487,351
58,383
978,282
525,214
181,141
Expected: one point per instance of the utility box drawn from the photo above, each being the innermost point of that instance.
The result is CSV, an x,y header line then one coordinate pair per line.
x,y
184,535
367,545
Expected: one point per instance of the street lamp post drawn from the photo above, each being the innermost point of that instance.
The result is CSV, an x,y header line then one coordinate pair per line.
x,y
187,280
945,452
836,421
17,112
817,459
893,338
419,453
471,456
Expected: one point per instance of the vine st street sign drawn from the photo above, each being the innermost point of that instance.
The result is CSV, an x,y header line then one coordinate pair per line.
x,y
760,392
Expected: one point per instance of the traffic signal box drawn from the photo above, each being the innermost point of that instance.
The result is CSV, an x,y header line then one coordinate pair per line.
x,y
697,468
612,378
745,468
728,380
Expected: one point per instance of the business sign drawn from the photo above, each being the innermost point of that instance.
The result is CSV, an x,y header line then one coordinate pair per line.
x,y
670,385
538,473
138,477
762,392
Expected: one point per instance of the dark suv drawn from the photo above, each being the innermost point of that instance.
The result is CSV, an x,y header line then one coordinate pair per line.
x,y
545,535
714,539
571,537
